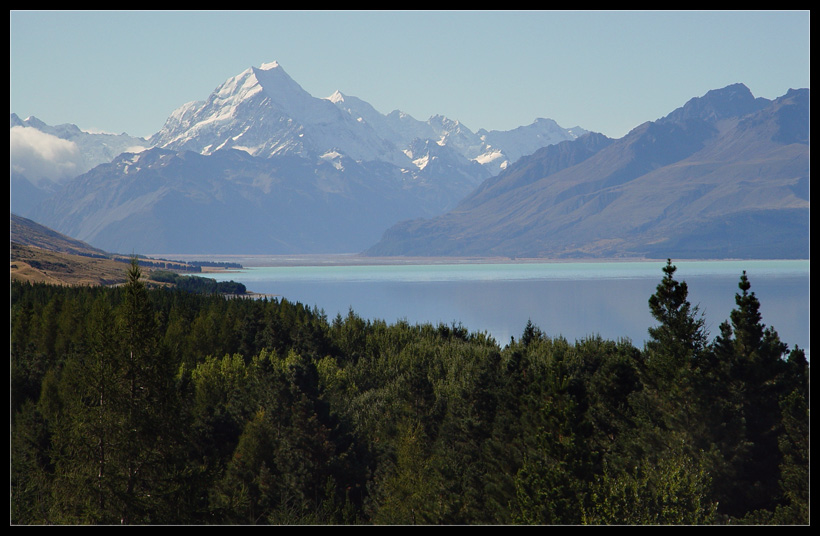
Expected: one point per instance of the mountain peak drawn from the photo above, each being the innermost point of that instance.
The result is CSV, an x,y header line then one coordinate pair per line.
x,y
680,187
275,81
270,65
734,100
337,97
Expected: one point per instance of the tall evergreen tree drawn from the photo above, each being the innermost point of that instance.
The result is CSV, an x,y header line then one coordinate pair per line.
x,y
551,481
667,405
794,446
113,412
410,493
753,355
90,428
680,336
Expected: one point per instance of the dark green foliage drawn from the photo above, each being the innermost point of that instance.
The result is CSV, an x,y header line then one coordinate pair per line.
x,y
753,364
160,406
200,285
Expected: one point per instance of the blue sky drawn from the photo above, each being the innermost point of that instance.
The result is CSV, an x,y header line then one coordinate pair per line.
x,y
607,71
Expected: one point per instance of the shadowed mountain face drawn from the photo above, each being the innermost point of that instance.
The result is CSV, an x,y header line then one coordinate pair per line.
x,y
230,202
261,166
726,175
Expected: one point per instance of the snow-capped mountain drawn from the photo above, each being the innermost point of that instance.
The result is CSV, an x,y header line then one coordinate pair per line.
x,y
727,175
264,112
42,157
525,140
82,150
306,174
494,150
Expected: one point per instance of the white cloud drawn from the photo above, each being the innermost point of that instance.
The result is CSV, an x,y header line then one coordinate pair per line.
x,y
40,156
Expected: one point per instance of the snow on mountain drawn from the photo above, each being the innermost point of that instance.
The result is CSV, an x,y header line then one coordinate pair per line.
x,y
42,157
727,175
397,127
261,146
494,150
525,140
265,113
37,145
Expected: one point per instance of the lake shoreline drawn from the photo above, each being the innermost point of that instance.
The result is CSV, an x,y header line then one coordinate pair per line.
x,y
355,259
573,299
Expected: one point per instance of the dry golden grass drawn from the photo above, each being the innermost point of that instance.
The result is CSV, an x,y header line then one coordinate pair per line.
x,y
36,265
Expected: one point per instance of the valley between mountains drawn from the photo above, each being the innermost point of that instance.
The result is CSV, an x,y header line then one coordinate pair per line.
x,y
262,167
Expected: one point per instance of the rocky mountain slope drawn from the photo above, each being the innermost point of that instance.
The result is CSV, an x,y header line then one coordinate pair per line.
x,y
263,166
162,201
42,157
725,175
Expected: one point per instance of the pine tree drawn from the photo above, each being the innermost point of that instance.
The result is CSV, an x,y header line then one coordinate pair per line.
x,y
668,406
794,446
90,427
754,358
409,494
550,483
116,445
680,336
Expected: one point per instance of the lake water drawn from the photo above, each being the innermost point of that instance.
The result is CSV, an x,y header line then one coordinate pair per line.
x,y
571,299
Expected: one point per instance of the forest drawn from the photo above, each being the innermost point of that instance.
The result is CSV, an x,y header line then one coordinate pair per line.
x,y
201,285
141,406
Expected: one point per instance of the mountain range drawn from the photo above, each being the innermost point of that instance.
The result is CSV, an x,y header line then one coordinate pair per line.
x,y
44,157
724,176
263,167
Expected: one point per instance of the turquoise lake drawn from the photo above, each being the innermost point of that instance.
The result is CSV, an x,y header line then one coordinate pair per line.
x,y
569,299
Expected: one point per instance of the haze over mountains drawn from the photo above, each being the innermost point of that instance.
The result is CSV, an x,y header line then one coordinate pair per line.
x,y
725,175
261,166
44,157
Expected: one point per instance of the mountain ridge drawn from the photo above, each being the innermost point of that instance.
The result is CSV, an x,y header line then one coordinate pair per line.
x,y
704,169
261,164
43,157
339,122
316,154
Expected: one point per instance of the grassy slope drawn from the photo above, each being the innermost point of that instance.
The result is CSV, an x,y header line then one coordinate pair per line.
x,y
39,254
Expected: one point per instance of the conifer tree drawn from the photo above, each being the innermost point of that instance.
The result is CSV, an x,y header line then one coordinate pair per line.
x,y
794,446
680,336
90,428
409,494
115,438
550,483
667,405
753,356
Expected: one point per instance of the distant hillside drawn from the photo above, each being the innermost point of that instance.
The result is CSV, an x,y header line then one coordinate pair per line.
x,y
26,232
36,265
39,254
725,176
